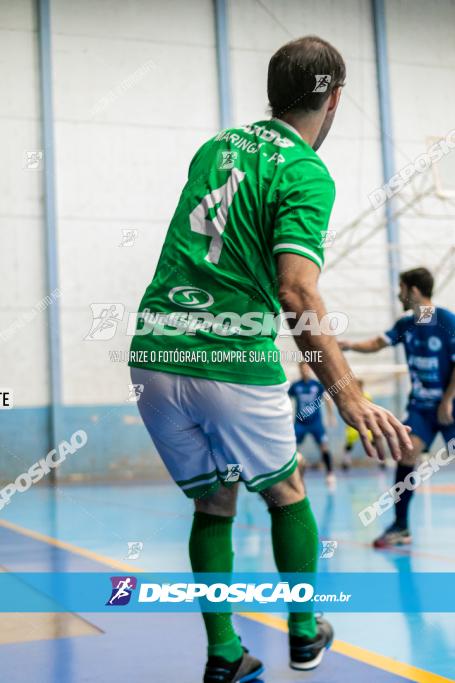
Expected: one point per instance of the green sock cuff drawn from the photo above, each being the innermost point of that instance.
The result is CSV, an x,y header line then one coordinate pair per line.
x,y
230,650
204,520
293,508
305,627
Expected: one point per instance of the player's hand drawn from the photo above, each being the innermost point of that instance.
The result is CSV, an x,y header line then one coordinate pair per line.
x,y
366,416
344,345
445,412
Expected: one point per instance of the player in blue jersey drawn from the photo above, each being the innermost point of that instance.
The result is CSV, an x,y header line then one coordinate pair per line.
x,y
308,393
428,336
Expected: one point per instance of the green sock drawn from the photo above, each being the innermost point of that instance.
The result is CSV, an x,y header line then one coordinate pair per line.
x,y
211,551
295,548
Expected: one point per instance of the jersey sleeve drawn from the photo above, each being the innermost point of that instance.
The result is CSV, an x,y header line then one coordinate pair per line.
x,y
291,391
306,197
452,347
395,335
447,320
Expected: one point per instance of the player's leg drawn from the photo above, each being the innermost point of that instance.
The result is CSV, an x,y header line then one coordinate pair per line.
x,y
188,455
257,433
422,435
296,549
211,551
322,440
448,434
300,433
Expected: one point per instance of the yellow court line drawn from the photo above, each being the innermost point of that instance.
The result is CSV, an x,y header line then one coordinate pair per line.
x,y
412,673
96,557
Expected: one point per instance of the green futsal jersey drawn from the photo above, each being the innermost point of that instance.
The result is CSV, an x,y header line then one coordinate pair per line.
x,y
212,307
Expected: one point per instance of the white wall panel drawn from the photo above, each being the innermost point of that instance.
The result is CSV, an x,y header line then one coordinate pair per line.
x,y
23,351
135,96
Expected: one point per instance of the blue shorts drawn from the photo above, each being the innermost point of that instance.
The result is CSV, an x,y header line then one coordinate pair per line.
x,y
425,425
315,428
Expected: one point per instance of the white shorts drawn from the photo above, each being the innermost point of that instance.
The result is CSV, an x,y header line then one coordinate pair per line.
x,y
210,432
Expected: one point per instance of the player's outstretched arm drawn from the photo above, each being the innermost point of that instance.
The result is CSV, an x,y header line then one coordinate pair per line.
x,y
367,346
298,292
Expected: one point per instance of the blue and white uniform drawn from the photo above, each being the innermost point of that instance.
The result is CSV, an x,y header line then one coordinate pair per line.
x,y
430,354
308,397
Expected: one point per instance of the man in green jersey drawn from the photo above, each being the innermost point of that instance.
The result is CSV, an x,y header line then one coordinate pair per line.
x,y
246,241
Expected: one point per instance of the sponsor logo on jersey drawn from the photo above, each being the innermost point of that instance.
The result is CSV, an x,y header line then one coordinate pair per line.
x,y
434,343
190,297
269,135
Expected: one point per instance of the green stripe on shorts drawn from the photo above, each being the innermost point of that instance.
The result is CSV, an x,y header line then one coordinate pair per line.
x,y
263,481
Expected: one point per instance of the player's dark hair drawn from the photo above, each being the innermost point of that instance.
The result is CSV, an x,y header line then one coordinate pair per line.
x,y
292,75
420,278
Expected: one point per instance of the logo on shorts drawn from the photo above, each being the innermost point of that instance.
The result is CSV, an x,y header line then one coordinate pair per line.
x,y
191,297
233,472
122,587
434,343
328,549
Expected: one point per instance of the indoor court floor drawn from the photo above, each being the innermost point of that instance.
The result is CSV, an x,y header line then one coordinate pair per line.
x,y
78,528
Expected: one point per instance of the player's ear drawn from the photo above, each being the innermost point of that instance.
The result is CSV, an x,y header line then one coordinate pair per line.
x,y
334,98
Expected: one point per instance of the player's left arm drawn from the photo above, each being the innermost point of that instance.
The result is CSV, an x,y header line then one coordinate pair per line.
x,y
445,408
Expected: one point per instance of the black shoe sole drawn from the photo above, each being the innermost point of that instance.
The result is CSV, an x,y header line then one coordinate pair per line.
x,y
312,663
